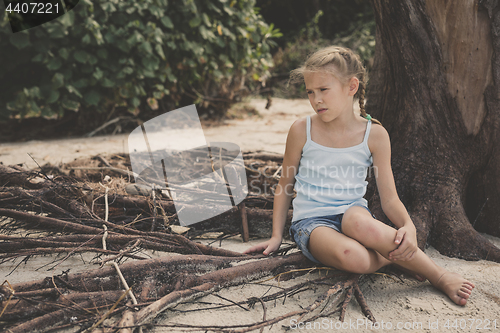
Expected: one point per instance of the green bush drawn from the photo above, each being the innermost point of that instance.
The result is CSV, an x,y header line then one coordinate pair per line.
x,y
133,53
358,36
292,16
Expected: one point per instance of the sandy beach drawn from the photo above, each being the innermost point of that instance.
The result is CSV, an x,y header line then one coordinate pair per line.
x,y
405,304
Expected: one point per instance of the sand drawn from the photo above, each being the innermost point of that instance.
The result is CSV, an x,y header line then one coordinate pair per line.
x,y
406,305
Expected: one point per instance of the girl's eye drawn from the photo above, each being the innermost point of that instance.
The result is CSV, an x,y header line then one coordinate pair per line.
x,y
323,89
309,92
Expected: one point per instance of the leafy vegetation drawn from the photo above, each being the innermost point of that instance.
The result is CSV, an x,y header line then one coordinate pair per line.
x,y
135,55
348,23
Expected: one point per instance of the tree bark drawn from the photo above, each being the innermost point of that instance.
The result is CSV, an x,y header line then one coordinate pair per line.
x,y
434,87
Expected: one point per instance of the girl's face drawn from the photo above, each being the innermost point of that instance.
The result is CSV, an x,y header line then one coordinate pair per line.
x,y
328,96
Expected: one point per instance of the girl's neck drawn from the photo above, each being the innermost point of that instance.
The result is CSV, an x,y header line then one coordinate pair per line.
x,y
344,122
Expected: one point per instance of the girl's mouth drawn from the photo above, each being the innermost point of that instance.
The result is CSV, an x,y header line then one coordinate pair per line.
x,y
320,111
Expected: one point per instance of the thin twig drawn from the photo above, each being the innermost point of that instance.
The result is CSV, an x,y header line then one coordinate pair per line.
x,y
107,313
125,284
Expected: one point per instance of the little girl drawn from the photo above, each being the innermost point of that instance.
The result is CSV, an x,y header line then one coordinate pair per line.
x,y
326,160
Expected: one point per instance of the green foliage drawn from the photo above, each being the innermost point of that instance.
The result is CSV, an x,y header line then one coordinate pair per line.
x,y
126,52
338,16
358,35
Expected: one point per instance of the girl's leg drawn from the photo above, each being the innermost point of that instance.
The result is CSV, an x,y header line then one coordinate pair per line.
x,y
334,249
358,224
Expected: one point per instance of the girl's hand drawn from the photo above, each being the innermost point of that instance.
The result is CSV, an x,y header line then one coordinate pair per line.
x,y
268,246
406,238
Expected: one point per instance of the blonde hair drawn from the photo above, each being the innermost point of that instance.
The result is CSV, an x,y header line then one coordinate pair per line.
x,y
343,64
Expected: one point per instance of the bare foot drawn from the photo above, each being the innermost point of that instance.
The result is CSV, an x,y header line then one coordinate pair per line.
x,y
456,287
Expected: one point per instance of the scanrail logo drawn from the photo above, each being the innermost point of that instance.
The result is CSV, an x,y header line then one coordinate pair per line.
x,y
24,15
170,154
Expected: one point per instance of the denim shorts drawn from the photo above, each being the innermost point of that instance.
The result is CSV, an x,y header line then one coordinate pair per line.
x,y
301,230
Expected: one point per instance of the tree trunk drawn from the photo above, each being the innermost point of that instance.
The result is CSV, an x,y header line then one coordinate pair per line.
x,y
435,88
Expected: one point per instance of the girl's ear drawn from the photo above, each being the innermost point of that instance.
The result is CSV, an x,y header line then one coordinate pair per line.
x,y
353,86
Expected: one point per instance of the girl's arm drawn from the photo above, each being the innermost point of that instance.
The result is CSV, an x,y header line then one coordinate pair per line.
x,y
284,190
406,237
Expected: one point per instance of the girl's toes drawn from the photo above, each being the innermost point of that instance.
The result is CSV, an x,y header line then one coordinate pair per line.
x,y
466,290
463,294
456,287
469,285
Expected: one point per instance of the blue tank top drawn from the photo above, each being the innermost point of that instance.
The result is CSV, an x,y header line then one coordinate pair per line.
x,y
330,180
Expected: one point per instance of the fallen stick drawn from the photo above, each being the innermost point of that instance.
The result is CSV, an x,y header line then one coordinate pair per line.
x,y
43,251
244,222
49,222
218,279
53,319
105,279
75,227
30,304
14,245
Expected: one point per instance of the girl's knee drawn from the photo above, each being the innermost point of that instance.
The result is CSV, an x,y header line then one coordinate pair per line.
x,y
354,263
355,221
340,251
344,257
361,226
